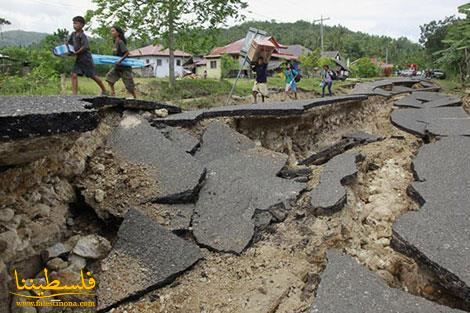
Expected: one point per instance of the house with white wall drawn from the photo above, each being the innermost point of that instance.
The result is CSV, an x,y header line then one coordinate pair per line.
x,y
158,60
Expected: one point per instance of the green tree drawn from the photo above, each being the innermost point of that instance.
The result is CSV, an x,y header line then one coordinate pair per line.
x,y
228,64
3,21
457,55
164,19
326,61
433,35
365,68
310,62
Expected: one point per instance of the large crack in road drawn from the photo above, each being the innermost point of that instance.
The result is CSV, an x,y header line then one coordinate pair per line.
x,y
231,213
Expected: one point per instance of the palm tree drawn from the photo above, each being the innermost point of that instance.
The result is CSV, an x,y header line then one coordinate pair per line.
x,y
3,21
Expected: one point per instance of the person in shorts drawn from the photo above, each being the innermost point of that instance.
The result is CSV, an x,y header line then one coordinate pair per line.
x,y
119,71
260,86
84,62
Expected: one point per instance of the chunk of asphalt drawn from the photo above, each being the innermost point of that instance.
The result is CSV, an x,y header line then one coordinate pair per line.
x,y
409,102
442,121
449,126
177,216
32,116
219,140
237,187
145,256
395,85
329,195
136,104
272,109
362,137
178,174
348,287
438,235
182,138
422,100
347,142
410,120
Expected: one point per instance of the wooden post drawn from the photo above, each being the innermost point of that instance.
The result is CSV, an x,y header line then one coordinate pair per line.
x,y
62,84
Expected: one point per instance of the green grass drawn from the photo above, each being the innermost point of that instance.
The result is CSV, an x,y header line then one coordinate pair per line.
x,y
188,93
450,86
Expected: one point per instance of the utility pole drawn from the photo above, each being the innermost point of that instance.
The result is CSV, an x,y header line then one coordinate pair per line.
x,y
321,28
386,55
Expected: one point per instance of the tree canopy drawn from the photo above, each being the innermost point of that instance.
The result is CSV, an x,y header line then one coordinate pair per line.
x,y
150,19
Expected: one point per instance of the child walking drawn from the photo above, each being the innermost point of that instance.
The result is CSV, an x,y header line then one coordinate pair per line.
x,y
291,86
120,71
84,62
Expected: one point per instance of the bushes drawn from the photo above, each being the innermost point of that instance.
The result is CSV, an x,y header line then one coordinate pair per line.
x,y
43,80
365,68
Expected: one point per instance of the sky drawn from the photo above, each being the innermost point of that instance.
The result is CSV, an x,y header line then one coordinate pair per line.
x,y
394,18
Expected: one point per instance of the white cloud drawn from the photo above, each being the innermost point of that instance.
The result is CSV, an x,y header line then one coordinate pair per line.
x,y
382,17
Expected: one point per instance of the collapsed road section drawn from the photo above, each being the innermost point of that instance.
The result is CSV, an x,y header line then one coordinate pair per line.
x,y
229,209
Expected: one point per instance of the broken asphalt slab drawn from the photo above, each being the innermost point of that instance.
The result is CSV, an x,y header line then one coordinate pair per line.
x,y
145,256
329,195
442,121
32,116
219,140
273,109
422,100
438,235
135,104
392,86
238,187
348,287
178,174
241,183
182,138
347,142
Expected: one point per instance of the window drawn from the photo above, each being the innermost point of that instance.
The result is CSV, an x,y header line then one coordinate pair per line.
x,y
159,62
178,62
147,61
213,64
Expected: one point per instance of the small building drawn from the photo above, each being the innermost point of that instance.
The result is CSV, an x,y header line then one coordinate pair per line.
x,y
297,50
335,55
158,60
212,62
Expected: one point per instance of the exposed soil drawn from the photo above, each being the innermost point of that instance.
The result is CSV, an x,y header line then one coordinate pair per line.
x,y
279,273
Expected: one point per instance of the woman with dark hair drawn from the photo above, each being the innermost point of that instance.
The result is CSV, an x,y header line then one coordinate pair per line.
x,y
327,80
120,71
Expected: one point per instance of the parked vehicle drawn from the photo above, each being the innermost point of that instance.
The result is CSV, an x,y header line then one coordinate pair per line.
x,y
407,73
438,74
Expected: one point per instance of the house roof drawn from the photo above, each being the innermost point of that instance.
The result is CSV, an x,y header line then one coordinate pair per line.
x,y
286,56
235,47
297,50
231,48
330,54
156,50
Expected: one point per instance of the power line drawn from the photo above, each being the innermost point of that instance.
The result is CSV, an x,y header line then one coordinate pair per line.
x,y
59,5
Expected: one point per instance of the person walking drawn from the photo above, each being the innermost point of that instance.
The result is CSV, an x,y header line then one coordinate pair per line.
x,y
327,80
119,71
84,61
291,86
260,86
